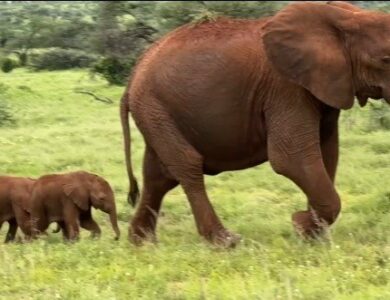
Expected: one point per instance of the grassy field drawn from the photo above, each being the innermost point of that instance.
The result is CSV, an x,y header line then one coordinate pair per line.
x,y
58,130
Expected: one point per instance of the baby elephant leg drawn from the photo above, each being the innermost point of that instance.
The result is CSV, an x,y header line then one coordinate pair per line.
x,y
87,222
71,223
62,227
24,222
13,227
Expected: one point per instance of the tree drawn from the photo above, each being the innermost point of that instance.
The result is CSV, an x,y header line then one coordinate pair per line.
x,y
125,29
374,5
26,25
5,115
120,38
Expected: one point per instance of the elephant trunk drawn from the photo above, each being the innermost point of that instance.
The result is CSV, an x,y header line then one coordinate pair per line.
x,y
133,186
114,223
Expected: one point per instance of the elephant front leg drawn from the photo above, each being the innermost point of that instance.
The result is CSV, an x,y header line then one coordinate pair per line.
x,y
324,203
13,227
71,217
72,231
63,229
37,225
330,142
23,220
88,223
297,155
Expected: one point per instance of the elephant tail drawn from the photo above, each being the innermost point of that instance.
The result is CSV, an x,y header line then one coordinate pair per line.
x,y
114,223
133,194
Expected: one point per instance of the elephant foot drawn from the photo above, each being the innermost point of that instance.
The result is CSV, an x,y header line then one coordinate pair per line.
x,y
71,240
138,235
18,240
95,235
224,238
308,225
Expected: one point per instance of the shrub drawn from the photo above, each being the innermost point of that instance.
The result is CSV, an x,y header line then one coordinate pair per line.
x,y
8,64
379,116
114,70
5,116
61,59
3,88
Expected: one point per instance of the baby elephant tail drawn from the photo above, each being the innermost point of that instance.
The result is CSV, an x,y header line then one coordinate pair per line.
x,y
133,194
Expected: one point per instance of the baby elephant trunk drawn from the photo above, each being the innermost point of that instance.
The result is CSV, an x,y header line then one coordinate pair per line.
x,y
114,223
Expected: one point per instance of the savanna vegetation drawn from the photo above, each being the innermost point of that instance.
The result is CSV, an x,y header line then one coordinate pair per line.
x,y
57,57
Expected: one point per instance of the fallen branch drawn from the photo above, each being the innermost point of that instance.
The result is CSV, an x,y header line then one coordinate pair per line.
x,y
104,100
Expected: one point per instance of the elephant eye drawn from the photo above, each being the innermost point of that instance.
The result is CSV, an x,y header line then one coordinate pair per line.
x,y
386,59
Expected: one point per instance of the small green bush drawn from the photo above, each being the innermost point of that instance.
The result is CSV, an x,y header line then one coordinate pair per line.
x,y
379,116
8,64
3,88
5,115
115,71
62,59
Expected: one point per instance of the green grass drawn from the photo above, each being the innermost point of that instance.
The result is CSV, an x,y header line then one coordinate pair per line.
x,y
58,130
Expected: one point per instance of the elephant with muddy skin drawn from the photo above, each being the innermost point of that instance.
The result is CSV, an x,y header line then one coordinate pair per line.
x,y
15,194
230,94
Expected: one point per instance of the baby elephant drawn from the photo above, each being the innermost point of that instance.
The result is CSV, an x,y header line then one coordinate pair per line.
x,y
67,200
15,195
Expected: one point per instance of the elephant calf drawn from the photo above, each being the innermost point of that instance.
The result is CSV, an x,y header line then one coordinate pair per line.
x,y
67,200
15,195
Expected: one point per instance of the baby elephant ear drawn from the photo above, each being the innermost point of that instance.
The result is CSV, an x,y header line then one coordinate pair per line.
x,y
78,194
97,199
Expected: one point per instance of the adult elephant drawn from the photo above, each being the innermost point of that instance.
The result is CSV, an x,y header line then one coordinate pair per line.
x,y
231,94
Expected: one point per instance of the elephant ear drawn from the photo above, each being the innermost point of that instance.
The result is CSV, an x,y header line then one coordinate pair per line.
x,y
304,43
77,193
97,199
98,193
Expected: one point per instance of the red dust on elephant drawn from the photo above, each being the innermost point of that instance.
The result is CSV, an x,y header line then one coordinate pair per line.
x,y
232,94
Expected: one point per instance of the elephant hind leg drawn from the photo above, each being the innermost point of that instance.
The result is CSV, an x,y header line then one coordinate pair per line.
x,y
13,227
24,221
64,229
185,164
71,220
155,185
88,223
70,231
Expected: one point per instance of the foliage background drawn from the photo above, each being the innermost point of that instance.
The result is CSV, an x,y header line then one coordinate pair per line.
x,y
48,126
115,31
